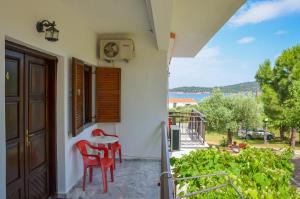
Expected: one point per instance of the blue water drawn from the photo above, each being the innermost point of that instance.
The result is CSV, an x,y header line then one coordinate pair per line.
x,y
195,96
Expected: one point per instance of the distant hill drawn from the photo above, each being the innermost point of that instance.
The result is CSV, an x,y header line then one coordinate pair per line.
x,y
236,88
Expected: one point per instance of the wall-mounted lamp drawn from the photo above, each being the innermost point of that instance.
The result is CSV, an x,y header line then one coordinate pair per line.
x,y
51,33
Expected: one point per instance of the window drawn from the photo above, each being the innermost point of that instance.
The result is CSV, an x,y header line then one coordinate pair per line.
x,y
81,96
108,95
107,99
87,94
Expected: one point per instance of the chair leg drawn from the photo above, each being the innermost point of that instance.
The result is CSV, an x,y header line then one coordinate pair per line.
x,y
120,155
104,179
91,174
84,177
112,173
114,158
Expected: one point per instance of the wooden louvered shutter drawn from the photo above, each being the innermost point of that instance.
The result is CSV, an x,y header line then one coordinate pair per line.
x,y
108,94
77,96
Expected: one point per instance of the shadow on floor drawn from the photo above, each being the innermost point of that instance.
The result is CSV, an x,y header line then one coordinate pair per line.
x,y
134,179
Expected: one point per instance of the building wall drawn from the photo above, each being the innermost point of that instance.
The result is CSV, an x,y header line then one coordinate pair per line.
x,y
2,120
171,105
144,84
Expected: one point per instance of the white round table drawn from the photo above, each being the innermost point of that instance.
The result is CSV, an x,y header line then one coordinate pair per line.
x,y
104,139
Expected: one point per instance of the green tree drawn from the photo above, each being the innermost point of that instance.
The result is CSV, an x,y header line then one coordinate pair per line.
x,y
217,114
279,86
227,113
246,111
292,110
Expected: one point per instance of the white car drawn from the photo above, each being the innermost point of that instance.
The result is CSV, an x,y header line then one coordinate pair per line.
x,y
257,134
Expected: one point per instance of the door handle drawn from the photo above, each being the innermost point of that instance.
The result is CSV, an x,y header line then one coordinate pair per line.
x,y
7,76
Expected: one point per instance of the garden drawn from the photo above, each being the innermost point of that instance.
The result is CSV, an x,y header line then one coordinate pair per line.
x,y
263,169
256,173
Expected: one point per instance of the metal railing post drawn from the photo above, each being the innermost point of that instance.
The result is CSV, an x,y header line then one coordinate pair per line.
x,y
166,181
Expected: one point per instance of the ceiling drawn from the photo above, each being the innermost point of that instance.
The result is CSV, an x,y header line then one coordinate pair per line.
x,y
196,21
115,16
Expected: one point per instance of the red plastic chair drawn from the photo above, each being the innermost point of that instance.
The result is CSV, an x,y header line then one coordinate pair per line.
x,y
115,147
170,122
92,161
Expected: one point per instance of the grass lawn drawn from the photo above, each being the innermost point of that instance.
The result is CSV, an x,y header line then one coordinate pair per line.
x,y
215,138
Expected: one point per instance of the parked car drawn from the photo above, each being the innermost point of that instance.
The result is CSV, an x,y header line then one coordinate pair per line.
x,y
255,134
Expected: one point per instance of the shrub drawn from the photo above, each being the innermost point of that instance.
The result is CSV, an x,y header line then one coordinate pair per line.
x,y
257,173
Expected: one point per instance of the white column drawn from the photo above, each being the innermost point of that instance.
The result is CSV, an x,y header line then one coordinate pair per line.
x,y
62,123
2,119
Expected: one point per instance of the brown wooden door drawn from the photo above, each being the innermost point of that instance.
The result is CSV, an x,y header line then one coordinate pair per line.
x,y
36,125
27,127
14,119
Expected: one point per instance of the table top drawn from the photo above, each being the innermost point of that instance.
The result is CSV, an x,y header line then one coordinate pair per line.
x,y
104,139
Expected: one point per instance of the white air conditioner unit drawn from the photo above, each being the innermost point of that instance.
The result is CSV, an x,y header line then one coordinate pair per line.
x,y
112,50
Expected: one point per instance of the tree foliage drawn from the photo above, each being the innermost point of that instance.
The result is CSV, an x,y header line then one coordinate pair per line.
x,y
280,87
229,112
236,88
292,106
257,173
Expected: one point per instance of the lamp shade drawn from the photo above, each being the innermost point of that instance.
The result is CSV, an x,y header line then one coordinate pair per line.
x,y
51,34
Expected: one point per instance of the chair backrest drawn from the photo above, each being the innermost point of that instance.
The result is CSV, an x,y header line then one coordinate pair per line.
x,y
82,147
98,132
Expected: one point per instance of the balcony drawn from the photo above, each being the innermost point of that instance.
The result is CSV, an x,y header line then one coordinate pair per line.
x,y
147,179
191,126
134,179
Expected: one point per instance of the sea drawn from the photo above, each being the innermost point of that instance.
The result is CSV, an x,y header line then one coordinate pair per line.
x,y
195,96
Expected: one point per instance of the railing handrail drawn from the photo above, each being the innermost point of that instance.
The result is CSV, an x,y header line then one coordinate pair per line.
x,y
199,113
227,183
166,180
193,113
196,122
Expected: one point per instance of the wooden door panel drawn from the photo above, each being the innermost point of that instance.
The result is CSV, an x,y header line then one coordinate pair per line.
x,y
17,194
11,115
38,183
38,79
38,150
13,171
14,119
37,164
12,76
37,116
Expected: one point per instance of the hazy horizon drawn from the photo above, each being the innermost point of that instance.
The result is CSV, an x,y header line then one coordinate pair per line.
x,y
213,86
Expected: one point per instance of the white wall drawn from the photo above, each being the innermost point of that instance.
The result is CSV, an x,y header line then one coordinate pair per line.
x,y
171,105
2,120
144,83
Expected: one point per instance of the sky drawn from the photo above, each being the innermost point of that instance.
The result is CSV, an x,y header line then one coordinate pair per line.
x,y
259,30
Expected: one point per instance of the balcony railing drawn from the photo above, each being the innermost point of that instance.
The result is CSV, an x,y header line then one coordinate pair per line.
x,y
166,181
192,127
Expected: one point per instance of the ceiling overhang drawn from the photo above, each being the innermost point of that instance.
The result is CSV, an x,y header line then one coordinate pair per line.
x,y
196,21
159,13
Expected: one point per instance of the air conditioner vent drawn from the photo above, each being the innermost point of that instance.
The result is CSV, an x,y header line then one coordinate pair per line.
x,y
113,50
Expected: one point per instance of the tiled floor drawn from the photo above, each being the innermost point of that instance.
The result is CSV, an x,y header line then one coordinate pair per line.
x,y
134,179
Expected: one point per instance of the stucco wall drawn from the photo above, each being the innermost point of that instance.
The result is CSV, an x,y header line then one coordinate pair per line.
x,y
2,120
144,83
